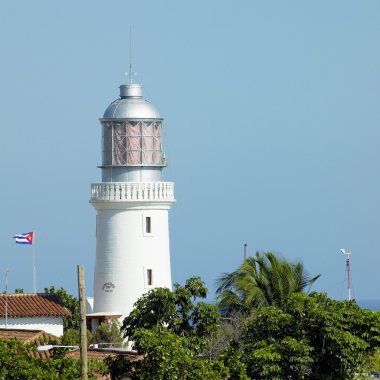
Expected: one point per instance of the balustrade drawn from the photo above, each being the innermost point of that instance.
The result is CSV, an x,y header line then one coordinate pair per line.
x,y
132,191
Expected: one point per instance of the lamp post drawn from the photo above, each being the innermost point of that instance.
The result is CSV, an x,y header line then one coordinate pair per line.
x,y
48,347
99,346
348,270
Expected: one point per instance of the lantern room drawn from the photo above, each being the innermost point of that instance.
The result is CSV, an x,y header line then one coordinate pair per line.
x,y
133,142
132,138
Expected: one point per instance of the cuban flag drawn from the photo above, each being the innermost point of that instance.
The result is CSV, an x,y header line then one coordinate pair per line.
x,y
24,238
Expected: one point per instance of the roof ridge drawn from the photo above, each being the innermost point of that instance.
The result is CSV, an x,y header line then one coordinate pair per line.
x,y
29,294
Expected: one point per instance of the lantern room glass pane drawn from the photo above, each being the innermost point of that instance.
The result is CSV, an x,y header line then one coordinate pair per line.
x,y
107,144
119,145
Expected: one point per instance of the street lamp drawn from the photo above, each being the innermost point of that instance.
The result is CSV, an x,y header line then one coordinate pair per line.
x,y
48,347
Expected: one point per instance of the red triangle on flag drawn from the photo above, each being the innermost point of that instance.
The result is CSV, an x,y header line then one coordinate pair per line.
x,y
29,237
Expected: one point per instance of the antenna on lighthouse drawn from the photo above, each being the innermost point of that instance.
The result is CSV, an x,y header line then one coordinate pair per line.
x,y
348,270
130,55
130,73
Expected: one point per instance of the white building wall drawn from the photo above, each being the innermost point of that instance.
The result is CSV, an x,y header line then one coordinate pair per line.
x,y
89,305
125,252
52,325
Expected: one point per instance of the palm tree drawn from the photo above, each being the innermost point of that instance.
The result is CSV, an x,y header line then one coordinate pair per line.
x,y
262,280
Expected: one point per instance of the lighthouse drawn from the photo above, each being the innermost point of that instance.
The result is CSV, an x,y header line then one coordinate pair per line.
x,y
132,207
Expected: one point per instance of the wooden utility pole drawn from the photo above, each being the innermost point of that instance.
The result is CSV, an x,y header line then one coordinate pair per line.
x,y
245,251
83,327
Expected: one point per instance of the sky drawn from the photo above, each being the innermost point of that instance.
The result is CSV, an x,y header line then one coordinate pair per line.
x,y
272,125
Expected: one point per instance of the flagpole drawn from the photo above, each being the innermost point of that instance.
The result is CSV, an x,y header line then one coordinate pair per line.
x,y
6,298
34,261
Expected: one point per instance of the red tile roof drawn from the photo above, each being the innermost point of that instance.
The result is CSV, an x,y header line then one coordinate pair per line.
x,y
32,305
102,353
39,337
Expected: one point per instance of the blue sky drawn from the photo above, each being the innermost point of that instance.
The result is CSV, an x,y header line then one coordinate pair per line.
x,y
272,121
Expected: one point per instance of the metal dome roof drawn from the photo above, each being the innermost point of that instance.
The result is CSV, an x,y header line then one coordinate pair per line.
x,y
131,105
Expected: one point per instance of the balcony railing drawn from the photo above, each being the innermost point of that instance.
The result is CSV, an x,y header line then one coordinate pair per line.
x,y
132,191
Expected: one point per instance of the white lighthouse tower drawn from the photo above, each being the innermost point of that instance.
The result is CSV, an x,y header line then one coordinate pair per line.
x,y
132,204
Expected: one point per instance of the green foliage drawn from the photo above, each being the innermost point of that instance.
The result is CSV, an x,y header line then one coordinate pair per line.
x,y
108,333
263,280
287,358
16,363
97,367
314,338
171,329
229,329
343,335
178,312
153,309
71,303
70,337
302,337
167,358
19,290
121,367
165,355
375,362
234,361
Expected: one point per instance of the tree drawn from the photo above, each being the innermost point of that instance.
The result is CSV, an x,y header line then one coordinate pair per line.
x,y
170,328
314,338
71,303
344,336
71,337
17,363
229,329
108,333
262,280
177,312
274,347
167,357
